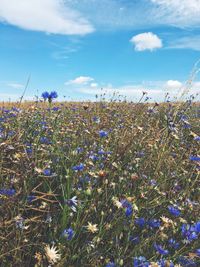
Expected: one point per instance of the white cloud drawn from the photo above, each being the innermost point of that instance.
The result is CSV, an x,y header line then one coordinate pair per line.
x,y
94,85
15,85
50,16
80,80
156,90
142,14
187,42
181,13
173,84
146,41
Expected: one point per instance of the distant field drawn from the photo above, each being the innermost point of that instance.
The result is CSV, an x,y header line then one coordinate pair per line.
x,y
99,184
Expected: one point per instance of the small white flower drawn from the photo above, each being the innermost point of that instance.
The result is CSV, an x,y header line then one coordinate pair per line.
x,y
52,254
72,203
117,203
92,228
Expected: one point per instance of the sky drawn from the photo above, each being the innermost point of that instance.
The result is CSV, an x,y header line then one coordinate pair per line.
x,y
83,48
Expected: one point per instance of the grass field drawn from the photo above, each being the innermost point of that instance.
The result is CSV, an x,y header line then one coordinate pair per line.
x,y
99,184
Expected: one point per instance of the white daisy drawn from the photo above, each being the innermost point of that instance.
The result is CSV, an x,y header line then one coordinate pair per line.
x,y
52,254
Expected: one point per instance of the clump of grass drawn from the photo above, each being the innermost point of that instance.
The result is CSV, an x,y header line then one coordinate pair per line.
x,y
100,184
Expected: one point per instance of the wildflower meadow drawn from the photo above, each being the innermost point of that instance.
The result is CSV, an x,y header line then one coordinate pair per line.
x,y
99,184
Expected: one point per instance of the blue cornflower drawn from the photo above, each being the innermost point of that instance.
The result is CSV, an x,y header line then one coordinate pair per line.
x,y
140,262
79,167
129,211
174,211
55,108
197,138
189,232
94,157
127,205
68,233
154,223
49,96
194,158
103,133
7,192
29,150
47,172
45,95
173,244
186,262
140,222
197,252
197,227
186,125
101,152
161,250
53,95
164,263
44,140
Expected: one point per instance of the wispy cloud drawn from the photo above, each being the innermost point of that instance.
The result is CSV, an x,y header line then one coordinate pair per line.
x,y
15,85
146,41
50,16
186,42
80,80
63,53
139,14
180,13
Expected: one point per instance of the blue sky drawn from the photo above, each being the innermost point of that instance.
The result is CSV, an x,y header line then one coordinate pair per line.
x,y
77,47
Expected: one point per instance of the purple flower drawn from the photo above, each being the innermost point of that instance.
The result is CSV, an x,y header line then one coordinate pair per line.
x,y
49,96
68,233
194,158
174,211
154,223
7,192
173,244
185,262
140,222
197,252
47,172
103,133
129,211
53,95
189,232
44,140
127,205
197,227
45,95
140,262
161,250
197,138
79,167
